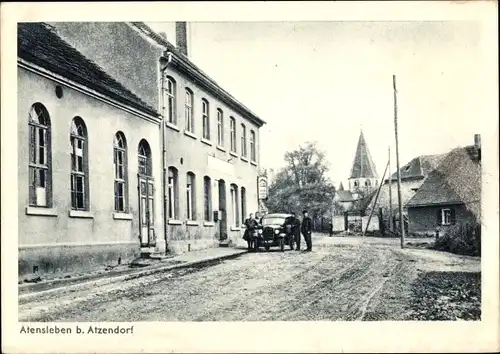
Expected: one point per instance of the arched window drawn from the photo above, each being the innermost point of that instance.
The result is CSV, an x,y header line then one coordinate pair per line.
x,y
173,193
205,108
145,166
79,165
234,205
191,196
243,140
170,93
207,187
253,152
232,131
355,183
188,110
368,183
40,173
220,127
121,175
243,203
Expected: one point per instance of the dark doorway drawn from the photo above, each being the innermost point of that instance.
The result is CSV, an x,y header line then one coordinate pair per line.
x,y
222,210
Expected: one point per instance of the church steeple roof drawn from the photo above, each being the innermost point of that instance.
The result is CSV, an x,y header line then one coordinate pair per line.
x,y
341,187
363,166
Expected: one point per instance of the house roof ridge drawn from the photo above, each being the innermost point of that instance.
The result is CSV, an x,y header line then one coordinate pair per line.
x,y
147,30
108,84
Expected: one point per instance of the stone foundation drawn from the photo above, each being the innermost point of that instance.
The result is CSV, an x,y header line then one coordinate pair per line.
x,y
73,259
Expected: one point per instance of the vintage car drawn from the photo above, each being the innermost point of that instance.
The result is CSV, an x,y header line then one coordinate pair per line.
x,y
274,231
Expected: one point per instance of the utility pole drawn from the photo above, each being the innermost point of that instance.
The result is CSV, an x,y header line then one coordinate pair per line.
x,y
375,201
401,221
390,192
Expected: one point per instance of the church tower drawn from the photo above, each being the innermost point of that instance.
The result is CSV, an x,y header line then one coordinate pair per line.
x,y
363,175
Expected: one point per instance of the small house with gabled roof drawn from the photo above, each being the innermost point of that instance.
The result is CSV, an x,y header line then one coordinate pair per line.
x,y
450,195
413,174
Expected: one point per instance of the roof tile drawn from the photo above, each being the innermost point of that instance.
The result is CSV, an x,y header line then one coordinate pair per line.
x,y
39,44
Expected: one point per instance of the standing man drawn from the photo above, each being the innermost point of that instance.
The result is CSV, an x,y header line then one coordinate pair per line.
x,y
258,218
296,230
250,229
307,230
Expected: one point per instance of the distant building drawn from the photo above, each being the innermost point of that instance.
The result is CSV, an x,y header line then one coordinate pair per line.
x,y
342,201
363,177
413,174
362,182
451,194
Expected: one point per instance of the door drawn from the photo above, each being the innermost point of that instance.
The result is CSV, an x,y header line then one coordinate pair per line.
x,y
222,211
146,211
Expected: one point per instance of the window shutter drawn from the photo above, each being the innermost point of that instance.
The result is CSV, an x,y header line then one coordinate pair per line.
x,y
452,216
439,218
32,143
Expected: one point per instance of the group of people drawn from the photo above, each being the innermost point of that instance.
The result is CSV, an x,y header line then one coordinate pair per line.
x,y
297,228
252,225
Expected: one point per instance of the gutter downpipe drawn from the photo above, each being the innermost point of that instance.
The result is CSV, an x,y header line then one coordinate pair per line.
x,y
163,64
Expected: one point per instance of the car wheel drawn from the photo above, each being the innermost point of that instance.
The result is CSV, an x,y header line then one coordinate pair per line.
x,y
282,244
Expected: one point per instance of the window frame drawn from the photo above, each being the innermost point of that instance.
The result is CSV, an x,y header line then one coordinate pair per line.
x,y
234,205
243,140
253,150
173,193
205,112
171,93
220,127
190,196
232,135
145,157
243,202
443,216
35,165
123,180
207,201
76,172
188,110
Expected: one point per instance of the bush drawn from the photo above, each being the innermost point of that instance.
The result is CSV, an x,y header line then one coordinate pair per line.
x,y
461,239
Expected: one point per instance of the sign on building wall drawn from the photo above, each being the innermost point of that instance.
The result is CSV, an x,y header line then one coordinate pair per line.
x,y
220,166
262,187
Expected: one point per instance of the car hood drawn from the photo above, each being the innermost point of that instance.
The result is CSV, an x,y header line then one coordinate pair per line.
x,y
274,226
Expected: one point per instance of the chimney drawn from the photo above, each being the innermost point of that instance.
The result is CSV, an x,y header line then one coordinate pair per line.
x,y
477,141
181,37
163,35
477,147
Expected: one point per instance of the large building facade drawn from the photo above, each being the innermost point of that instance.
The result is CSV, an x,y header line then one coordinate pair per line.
x,y
212,152
156,157
86,144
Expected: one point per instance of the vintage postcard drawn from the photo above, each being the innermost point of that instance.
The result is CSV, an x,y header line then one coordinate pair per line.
x,y
250,177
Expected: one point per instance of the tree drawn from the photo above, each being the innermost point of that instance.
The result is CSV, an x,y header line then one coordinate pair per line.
x,y
302,183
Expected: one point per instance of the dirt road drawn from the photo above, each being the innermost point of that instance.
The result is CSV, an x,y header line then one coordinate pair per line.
x,y
342,279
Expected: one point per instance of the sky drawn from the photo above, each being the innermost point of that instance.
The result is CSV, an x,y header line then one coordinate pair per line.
x,y
324,81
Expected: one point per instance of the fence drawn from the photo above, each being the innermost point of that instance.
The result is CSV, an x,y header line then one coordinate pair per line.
x,y
354,222
384,225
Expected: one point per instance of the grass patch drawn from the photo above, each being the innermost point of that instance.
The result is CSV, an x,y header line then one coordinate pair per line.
x,y
446,296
